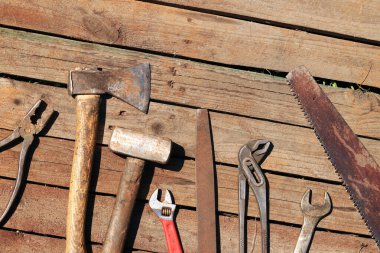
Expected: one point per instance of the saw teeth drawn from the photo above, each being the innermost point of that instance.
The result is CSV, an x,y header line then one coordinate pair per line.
x,y
357,206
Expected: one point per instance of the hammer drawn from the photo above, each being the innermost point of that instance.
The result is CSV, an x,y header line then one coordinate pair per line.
x,y
130,85
138,146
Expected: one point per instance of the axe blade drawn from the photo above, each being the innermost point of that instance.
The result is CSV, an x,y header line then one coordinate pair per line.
x,y
131,85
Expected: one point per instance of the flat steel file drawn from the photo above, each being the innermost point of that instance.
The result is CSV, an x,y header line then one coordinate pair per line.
x,y
205,180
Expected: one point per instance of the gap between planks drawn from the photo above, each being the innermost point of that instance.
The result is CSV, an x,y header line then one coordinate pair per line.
x,y
51,164
146,230
175,81
296,149
351,20
182,32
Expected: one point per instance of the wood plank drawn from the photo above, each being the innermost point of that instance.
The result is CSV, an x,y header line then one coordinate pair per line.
x,y
182,82
19,242
296,149
51,164
184,32
352,18
47,216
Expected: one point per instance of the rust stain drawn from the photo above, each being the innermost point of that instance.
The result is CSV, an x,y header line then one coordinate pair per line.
x,y
353,162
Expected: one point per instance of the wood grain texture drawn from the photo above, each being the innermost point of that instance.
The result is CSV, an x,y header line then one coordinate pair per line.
x,y
183,82
184,32
353,18
296,149
127,193
51,164
87,110
47,216
19,242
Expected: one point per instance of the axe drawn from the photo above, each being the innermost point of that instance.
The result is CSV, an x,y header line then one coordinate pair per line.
x,y
130,85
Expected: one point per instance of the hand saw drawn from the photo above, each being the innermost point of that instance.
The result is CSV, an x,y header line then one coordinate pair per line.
x,y
354,164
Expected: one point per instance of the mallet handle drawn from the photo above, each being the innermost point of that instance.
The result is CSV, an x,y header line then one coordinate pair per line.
x,y
122,211
87,111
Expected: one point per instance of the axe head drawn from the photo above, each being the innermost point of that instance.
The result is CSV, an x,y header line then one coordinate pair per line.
x,y
131,85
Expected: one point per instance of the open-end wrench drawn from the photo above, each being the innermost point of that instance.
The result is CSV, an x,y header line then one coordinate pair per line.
x,y
165,212
312,215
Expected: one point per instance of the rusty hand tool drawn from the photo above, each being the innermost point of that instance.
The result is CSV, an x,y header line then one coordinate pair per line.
x,y
165,212
205,178
26,129
352,161
312,215
251,156
139,147
131,86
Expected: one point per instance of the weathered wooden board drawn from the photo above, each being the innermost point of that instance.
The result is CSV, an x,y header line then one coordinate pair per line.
x,y
352,18
198,35
182,82
19,242
47,216
296,149
51,165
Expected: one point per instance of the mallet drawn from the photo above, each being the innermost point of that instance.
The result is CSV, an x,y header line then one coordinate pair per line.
x,y
139,147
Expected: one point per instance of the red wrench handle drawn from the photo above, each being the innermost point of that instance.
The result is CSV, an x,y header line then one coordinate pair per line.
x,y
171,235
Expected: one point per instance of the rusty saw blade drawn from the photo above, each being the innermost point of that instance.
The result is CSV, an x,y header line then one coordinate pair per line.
x,y
352,161
205,179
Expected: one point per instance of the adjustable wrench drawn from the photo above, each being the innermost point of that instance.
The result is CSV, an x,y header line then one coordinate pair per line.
x,y
165,212
312,215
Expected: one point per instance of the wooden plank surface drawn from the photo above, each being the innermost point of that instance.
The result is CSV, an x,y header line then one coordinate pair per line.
x,y
51,165
47,216
19,242
296,149
353,18
181,81
184,32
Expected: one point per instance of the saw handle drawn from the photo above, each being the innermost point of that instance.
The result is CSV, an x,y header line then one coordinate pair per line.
x,y
122,211
87,111
171,236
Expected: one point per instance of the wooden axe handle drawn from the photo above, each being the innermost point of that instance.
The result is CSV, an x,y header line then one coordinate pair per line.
x,y
122,210
87,111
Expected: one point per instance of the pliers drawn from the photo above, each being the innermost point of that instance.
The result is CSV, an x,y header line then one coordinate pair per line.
x,y
28,127
251,155
165,212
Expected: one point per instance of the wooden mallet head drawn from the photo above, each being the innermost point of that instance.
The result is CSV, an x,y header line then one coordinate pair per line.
x,y
141,146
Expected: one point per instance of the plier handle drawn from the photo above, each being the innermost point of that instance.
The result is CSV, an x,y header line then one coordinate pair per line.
x,y
251,155
27,128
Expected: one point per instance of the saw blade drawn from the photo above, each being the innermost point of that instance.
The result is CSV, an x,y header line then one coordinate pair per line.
x,y
352,161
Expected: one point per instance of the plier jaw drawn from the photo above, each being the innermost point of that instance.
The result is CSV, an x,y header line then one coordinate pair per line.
x,y
251,155
33,122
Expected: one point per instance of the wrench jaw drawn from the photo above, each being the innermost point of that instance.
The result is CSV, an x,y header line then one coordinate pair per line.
x,y
316,211
164,210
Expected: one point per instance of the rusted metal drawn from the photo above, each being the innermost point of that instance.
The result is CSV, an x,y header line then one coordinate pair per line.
x,y
27,129
139,145
354,164
251,155
313,214
131,85
205,180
